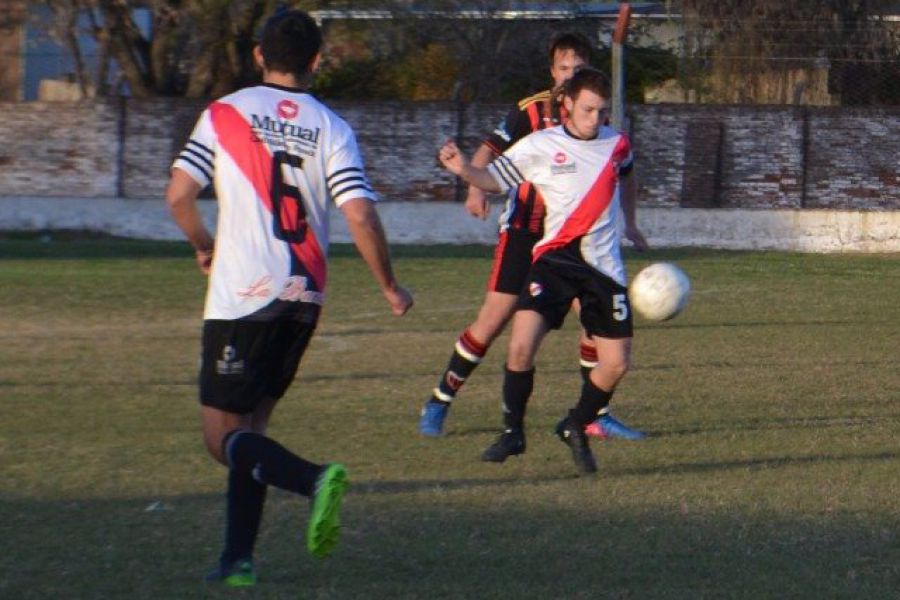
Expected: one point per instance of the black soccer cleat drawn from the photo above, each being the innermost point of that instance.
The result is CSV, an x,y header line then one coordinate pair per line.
x,y
510,443
577,441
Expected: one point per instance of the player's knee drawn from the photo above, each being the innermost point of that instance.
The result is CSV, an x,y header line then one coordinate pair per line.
x,y
519,357
621,366
213,442
615,368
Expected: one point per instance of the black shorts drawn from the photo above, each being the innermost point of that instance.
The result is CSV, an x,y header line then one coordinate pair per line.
x,y
552,285
512,260
244,362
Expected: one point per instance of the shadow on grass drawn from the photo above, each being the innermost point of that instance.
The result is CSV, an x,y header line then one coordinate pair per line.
x,y
780,424
754,464
450,546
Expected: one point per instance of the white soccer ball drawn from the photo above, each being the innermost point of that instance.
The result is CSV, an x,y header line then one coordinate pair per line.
x,y
660,291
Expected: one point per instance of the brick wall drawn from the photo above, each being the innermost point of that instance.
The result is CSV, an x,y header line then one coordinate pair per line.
x,y
59,149
688,155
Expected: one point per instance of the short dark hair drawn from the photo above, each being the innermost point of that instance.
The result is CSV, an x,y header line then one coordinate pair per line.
x,y
588,78
289,41
574,41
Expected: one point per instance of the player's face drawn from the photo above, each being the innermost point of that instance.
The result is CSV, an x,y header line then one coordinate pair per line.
x,y
564,64
587,112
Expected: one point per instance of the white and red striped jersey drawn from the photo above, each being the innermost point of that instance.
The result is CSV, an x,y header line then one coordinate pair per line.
x,y
578,181
278,159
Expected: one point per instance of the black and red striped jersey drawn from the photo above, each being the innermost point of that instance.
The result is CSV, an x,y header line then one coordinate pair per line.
x,y
524,206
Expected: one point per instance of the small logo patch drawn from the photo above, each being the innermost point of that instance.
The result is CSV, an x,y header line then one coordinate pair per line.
x,y
560,157
454,381
288,109
228,365
535,289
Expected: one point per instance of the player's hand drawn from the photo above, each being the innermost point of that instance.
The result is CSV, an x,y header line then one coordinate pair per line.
x,y
637,238
451,157
400,299
204,260
477,203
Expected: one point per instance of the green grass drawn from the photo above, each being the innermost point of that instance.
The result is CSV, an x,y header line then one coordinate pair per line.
x,y
772,470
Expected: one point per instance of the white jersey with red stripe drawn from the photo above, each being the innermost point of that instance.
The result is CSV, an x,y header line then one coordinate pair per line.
x,y
578,181
278,159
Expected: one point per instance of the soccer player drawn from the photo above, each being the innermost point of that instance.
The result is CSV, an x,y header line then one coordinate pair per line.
x,y
277,158
577,168
521,226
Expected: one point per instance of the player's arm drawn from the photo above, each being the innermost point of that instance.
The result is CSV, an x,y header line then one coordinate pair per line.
x,y
455,162
368,235
181,196
628,188
477,203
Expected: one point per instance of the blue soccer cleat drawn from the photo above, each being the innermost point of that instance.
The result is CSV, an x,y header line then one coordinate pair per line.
x,y
431,423
608,426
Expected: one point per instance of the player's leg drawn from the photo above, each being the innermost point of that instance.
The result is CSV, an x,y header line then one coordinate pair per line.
x,y
246,369
542,306
512,259
528,330
606,317
245,499
605,425
596,393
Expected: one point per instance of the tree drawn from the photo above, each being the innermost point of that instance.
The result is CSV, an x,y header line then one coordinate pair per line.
x,y
774,50
195,48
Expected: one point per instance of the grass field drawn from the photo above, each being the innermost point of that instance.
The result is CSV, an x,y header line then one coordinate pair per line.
x,y
772,470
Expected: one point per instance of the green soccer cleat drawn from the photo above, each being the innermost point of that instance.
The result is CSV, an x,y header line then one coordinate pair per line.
x,y
238,574
325,521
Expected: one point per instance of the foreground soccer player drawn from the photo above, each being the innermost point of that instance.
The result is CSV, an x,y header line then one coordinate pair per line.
x,y
521,227
277,158
577,168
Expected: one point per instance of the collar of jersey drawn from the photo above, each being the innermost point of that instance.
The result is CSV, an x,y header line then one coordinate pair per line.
x,y
575,137
284,88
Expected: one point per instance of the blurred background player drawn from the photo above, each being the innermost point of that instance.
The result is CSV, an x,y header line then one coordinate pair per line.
x,y
577,168
277,158
521,226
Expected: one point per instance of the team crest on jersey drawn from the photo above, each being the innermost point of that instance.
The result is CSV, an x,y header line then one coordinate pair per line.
x,y
561,165
288,110
535,289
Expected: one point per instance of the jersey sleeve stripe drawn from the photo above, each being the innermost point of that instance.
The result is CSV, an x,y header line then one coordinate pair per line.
x,y
196,170
508,171
201,147
341,171
350,179
340,195
500,178
204,159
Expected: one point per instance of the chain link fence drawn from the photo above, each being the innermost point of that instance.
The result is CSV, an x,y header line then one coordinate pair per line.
x,y
814,61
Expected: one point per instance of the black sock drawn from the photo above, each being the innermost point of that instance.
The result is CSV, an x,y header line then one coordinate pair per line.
x,y
467,355
245,500
269,462
517,386
592,400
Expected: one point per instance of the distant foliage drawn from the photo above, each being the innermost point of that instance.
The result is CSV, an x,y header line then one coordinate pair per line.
x,y
794,51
